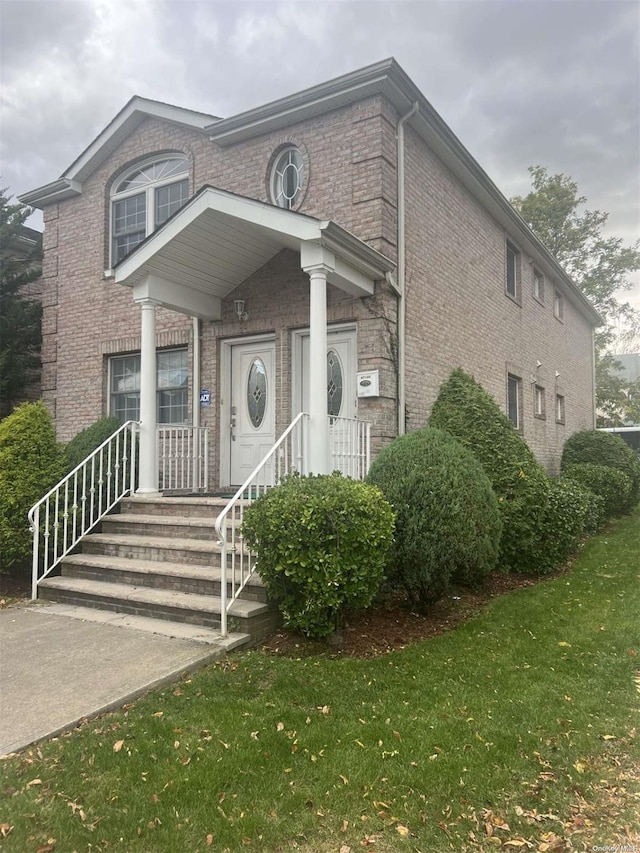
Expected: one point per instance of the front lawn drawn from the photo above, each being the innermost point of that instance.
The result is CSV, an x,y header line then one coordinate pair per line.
x,y
516,730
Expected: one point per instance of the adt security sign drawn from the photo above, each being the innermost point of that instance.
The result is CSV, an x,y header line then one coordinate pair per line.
x,y
205,398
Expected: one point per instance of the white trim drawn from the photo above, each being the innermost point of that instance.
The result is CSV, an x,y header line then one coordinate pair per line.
x,y
224,414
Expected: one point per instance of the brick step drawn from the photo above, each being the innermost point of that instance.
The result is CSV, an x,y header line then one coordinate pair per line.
x,y
186,507
247,617
164,526
177,550
201,580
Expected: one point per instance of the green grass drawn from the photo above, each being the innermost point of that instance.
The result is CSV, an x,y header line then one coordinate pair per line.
x,y
524,714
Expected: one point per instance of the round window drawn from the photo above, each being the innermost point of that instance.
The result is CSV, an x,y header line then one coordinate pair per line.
x,y
257,392
334,384
287,178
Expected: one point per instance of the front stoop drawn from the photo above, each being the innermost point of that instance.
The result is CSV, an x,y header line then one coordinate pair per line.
x,y
158,559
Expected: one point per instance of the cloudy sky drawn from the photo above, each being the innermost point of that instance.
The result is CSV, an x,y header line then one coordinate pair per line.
x,y
521,82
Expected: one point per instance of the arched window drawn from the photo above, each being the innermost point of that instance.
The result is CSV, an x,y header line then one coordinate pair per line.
x,y
287,177
145,198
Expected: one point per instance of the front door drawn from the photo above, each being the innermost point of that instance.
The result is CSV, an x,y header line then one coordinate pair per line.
x,y
252,423
341,373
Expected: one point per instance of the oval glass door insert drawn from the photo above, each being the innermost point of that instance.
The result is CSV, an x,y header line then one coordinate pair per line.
x,y
257,392
334,384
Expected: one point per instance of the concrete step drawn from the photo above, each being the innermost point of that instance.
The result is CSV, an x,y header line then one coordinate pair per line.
x,y
197,552
201,580
164,526
247,617
175,630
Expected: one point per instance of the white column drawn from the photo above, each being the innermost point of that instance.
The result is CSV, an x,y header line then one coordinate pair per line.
x,y
318,451
148,482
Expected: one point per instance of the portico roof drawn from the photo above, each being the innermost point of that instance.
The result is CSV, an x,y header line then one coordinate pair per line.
x,y
218,239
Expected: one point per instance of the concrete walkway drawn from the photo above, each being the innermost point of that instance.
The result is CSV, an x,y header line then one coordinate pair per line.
x,y
56,668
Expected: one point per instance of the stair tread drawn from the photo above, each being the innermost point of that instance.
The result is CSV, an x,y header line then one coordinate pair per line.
x,y
164,520
175,500
182,570
148,595
168,543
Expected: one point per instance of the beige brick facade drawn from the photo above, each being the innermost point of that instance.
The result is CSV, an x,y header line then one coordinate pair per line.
x,y
458,313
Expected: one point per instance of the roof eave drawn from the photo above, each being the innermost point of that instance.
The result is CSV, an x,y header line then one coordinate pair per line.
x,y
51,193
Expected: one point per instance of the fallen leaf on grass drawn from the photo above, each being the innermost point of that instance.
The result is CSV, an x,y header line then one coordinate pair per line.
x,y
344,826
118,745
402,830
5,829
34,782
345,849
562,643
209,840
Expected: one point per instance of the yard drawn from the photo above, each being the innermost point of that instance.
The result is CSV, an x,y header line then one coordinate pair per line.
x,y
515,730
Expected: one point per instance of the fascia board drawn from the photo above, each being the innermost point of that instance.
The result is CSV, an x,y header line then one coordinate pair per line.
x,y
51,193
301,105
350,248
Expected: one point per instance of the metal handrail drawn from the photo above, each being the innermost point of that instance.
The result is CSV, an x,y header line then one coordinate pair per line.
x,y
285,457
350,446
183,457
81,499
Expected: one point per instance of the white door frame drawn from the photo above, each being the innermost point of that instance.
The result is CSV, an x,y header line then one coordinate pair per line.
x,y
224,405
296,359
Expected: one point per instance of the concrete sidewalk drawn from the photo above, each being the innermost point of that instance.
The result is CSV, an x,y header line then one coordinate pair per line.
x,y
56,670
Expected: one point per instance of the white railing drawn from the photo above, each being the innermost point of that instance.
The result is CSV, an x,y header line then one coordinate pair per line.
x,y
237,563
72,508
183,458
350,447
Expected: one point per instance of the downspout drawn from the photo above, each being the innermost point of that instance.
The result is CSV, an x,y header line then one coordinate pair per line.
x,y
401,269
195,403
595,386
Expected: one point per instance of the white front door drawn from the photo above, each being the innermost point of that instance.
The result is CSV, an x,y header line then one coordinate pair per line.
x,y
252,407
341,374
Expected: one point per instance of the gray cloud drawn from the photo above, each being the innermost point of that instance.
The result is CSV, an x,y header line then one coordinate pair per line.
x,y
554,82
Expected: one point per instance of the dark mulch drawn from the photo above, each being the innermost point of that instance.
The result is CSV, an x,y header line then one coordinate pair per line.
x,y
14,585
391,624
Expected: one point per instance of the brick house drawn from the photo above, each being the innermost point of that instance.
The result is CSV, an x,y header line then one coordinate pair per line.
x,y
336,250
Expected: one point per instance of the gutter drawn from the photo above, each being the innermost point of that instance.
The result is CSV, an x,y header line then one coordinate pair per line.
x,y
401,270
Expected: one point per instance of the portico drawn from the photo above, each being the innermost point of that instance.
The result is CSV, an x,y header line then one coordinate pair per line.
x,y
204,252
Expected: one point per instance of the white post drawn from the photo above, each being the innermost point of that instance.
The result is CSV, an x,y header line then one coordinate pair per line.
x,y
148,482
318,421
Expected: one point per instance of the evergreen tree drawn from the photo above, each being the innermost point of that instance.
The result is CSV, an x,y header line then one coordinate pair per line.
x,y
20,332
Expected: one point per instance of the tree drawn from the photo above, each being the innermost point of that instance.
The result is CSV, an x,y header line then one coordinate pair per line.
x,y
20,332
599,265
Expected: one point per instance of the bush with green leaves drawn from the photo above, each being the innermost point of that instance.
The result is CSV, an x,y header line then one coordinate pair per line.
x,y
571,511
85,442
468,412
604,448
321,544
447,518
613,485
31,463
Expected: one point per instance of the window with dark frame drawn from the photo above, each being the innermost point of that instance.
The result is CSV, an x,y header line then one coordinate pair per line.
x,y
538,401
512,270
560,408
171,386
513,399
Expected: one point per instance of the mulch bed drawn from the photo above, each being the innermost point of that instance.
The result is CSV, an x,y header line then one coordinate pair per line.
x,y
391,624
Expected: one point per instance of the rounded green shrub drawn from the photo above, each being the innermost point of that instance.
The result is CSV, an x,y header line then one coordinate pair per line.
x,y
447,518
464,409
31,463
85,442
603,448
613,485
322,544
571,510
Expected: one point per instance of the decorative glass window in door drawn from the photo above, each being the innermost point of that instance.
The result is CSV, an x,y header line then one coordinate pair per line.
x,y
334,384
257,392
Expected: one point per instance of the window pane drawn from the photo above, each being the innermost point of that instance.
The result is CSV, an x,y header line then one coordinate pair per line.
x,y
513,384
257,392
154,172
172,406
334,383
511,270
170,199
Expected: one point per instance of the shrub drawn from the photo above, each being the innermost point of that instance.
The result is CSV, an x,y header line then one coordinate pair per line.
x,y
571,510
85,442
613,485
604,448
447,518
468,412
30,464
322,544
